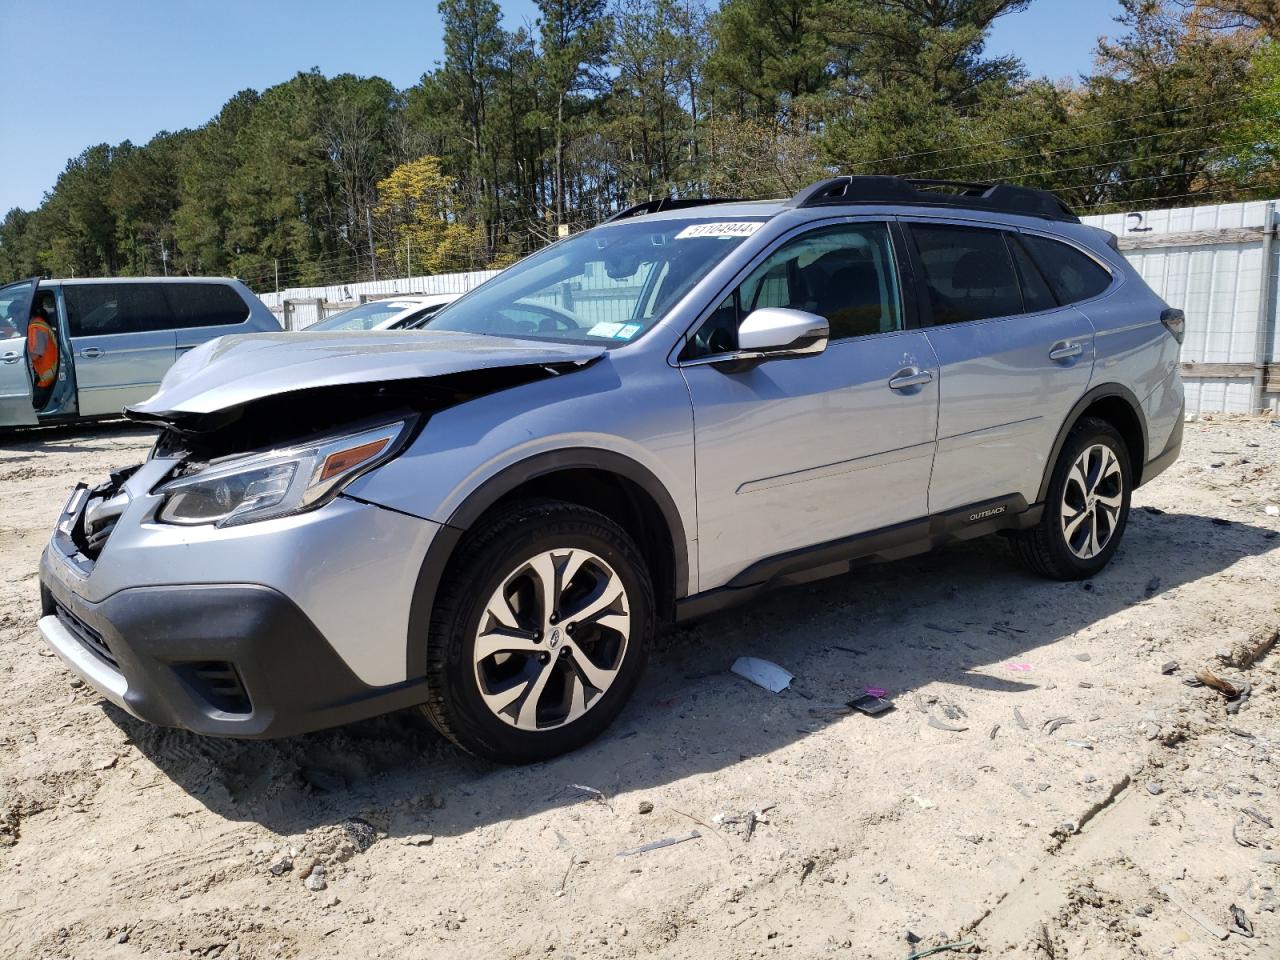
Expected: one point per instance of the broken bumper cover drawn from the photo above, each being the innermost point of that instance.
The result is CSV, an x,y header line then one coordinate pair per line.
x,y
237,660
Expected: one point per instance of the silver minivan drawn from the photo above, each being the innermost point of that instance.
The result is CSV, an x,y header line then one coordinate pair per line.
x,y
115,339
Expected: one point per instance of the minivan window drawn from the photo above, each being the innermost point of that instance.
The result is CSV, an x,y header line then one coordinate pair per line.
x,y
204,305
1072,275
968,273
845,273
96,309
1036,295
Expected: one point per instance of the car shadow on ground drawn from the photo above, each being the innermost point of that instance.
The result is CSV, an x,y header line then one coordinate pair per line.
x,y
954,617
45,439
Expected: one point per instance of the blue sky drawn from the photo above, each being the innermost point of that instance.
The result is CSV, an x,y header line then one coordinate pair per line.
x,y
110,70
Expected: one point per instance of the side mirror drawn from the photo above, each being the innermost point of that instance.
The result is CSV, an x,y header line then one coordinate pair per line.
x,y
781,332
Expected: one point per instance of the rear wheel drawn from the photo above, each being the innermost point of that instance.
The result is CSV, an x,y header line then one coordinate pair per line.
x,y
1087,506
539,634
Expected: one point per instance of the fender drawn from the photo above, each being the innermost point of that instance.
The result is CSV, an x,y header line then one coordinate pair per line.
x,y
502,483
1093,396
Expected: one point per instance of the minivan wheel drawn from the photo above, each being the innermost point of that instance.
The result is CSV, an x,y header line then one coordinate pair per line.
x,y
539,633
1087,506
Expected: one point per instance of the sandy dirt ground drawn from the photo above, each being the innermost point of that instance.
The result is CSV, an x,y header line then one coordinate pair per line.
x,y
1130,829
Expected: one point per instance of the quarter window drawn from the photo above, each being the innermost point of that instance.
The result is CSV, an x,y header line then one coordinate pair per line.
x,y
844,273
1072,275
968,273
205,305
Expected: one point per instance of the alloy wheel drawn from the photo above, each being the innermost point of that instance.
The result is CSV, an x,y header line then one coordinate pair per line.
x,y
551,639
1092,500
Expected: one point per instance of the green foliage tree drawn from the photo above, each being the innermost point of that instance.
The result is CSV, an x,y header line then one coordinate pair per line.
x,y
517,135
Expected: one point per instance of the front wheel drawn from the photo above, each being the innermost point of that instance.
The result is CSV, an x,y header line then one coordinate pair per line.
x,y
539,634
1087,506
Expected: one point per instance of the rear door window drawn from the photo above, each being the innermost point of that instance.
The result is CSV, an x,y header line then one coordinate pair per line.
x,y
968,272
1072,275
205,305
98,309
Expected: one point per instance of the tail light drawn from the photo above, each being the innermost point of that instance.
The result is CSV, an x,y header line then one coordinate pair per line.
x,y
1175,321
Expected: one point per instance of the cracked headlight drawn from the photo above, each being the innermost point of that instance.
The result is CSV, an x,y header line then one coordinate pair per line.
x,y
275,484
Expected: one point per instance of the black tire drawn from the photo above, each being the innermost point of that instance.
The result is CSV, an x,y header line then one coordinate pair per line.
x,y
1044,547
484,561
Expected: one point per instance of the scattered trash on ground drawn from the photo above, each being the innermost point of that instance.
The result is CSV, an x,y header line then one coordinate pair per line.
x,y
1211,679
763,673
1168,667
1019,719
1172,896
747,821
1018,667
1240,922
1257,815
1053,723
659,844
930,951
1084,657
360,833
281,866
872,702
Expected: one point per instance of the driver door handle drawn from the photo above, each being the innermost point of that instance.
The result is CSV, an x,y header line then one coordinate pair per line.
x,y
89,353
1065,350
909,377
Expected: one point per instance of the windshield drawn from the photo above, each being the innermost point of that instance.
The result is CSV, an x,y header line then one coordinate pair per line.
x,y
606,286
367,316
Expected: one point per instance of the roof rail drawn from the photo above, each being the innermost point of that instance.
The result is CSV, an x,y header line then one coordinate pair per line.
x,y
667,203
1002,197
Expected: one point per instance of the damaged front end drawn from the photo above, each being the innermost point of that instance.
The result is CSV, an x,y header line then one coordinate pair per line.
x,y
312,421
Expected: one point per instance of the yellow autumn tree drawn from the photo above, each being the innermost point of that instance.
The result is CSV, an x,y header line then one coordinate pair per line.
x,y
416,214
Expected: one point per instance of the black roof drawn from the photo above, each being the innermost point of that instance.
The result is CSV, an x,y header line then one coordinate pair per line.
x,y
997,197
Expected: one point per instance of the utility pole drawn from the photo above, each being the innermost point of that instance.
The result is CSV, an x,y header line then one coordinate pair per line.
x,y
373,259
276,261
164,257
408,261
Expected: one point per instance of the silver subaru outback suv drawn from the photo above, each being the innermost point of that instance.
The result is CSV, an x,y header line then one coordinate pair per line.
x,y
643,423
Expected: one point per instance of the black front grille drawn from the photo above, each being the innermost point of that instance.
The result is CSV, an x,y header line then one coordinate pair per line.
x,y
218,683
89,638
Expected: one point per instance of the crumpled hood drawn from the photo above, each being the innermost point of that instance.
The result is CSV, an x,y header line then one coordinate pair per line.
x,y
232,371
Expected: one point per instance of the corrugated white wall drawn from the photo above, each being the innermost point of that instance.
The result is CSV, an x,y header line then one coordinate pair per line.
x,y
1218,285
347,292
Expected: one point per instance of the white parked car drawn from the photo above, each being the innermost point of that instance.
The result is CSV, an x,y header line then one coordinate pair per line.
x,y
394,313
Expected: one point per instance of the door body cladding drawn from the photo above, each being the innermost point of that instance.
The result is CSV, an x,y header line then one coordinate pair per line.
x,y
1101,392
507,481
1009,512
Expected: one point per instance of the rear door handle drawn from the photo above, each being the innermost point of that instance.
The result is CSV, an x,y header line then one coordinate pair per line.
x,y
1065,351
909,377
10,357
90,353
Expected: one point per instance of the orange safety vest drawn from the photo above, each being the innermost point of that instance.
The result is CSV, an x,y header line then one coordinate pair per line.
x,y
42,352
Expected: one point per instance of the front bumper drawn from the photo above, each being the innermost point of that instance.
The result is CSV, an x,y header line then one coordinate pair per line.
x,y
238,660
262,630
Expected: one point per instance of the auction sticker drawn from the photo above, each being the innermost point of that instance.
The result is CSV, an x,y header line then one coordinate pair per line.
x,y
725,229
